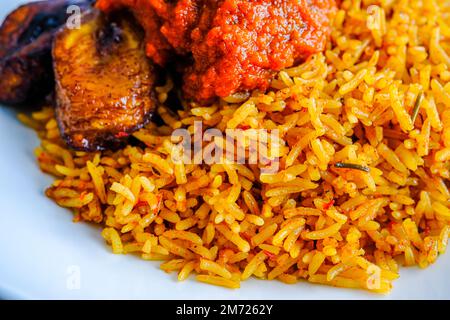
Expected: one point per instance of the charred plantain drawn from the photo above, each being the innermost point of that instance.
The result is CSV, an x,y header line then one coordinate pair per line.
x,y
26,38
104,81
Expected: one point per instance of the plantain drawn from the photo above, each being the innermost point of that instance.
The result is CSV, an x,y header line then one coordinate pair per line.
x,y
26,36
104,81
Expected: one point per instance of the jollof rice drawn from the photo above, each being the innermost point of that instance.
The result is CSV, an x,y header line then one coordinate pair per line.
x,y
364,172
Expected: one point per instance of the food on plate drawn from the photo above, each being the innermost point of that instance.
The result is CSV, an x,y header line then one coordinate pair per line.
x,y
235,45
357,139
104,81
26,38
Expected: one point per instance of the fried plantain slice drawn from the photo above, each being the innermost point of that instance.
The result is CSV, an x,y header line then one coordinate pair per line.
x,y
26,37
104,81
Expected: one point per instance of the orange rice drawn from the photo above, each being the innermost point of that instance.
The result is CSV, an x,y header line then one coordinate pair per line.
x,y
377,98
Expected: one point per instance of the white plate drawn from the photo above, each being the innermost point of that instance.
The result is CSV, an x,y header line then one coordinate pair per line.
x,y
42,253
